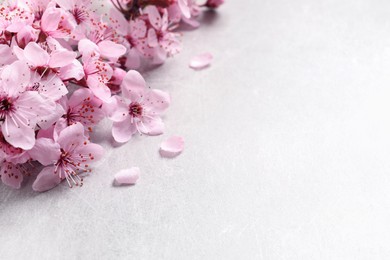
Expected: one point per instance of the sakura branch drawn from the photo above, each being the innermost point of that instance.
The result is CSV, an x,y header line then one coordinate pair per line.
x,y
65,66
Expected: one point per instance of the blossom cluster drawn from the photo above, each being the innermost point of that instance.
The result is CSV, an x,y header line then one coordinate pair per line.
x,y
65,66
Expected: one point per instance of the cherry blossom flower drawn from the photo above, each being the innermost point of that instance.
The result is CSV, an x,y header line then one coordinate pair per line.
x,y
66,157
63,70
11,163
20,110
160,37
55,22
139,110
82,107
134,37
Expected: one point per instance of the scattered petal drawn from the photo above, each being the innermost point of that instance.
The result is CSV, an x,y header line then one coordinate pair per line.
x,y
172,147
127,176
201,61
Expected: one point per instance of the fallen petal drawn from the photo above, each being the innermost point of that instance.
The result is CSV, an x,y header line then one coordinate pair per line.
x,y
172,147
201,61
127,176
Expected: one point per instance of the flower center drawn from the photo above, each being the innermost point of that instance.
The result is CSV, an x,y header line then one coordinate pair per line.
x,y
135,109
6,106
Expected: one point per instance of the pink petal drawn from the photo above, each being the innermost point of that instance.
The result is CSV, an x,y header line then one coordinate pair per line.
x,y
111,49
86,47
154,16
52,87
123,131
121,23
192,22
16,77
45,151
61,58
73,71
6,54
158,101
201,61
11,175
46,180
172,147
127,176
116,110
46,121
152,38
19,136
73,134
152,126
50,20
99,89
133,85
183,5
133,59
35,55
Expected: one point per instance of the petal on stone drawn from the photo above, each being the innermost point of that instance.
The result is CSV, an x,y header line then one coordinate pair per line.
x,y
172,147
127,176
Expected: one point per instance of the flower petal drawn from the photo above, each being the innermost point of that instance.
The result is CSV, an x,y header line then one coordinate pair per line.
x,y
110,49
16,77
11,175
50,19
61,58
45,151
133,85
19,136
172,147
99,89
72,71
201,61
35,55
116,110
123,131
157,101
183,5
73,134
46,180
154,16
128,176
152,38
152,126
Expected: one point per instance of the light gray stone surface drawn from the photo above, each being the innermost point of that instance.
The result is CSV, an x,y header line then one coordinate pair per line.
x,y
287,149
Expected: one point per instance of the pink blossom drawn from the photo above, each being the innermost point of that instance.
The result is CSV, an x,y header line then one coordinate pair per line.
x,y
139,110
11,163
63,69
134,38
97,72
20,110
55,22
159,36
65,158
83,107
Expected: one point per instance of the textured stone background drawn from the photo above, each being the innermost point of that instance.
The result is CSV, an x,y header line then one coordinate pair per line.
x,y
287,149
